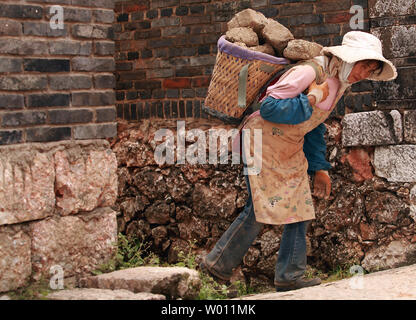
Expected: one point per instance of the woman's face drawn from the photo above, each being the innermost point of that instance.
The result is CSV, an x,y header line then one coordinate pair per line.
x,y
362,70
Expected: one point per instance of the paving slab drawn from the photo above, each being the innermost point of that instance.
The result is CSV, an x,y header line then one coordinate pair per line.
x,y
102,294
173,282
393,284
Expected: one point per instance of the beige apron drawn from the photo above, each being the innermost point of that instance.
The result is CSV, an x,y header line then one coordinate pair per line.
x,y
281,193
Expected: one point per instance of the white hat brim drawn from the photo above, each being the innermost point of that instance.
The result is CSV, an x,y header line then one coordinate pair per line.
x,y
352,55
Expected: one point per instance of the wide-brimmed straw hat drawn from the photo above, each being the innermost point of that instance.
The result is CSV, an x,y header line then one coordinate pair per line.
x,y
358,45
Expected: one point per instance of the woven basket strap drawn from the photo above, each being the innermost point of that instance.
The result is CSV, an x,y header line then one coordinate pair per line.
x,y
242,86
319,72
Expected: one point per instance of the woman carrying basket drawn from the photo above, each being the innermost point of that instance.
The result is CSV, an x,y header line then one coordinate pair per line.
x,y
293,146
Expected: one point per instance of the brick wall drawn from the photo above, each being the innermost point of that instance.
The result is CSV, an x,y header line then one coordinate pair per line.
x,y
56,84
165,50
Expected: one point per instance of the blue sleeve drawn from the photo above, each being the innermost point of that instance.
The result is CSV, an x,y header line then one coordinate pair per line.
x,y
314,148
288,111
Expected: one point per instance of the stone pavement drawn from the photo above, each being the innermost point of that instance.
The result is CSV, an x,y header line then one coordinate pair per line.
x,y
160,283
393,284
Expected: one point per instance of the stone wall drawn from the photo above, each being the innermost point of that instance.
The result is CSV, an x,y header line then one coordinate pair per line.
x,y
368,220
56,84
57,173
165,47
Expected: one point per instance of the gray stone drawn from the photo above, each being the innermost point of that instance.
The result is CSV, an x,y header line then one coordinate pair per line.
x,y
23,82
102,294
92,31
93,64
58,82
277,35
396,254
244,35
410,126
396,163
104,16
173,282
11,101
248,18
301,50
99,131
68,47
371,128
43,29
104,48
15,265
381,8
265,48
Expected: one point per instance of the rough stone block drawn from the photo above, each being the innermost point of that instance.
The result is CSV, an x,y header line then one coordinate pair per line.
x,y
26,185
78,243
396,163
245,35
396,254
173,282
410,126
277,35
248,18
15,264
301,50
372,128
102,294
85,179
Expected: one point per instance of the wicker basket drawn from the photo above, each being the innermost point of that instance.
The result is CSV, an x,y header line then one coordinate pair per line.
x,y
238,76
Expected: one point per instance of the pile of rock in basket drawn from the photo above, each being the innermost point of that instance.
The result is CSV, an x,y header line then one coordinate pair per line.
x,y
252,30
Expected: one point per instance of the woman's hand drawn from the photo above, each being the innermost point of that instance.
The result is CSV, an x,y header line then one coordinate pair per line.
x,y
322,185
317,92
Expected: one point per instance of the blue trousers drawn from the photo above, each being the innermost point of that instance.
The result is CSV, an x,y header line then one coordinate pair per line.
x,y
230,249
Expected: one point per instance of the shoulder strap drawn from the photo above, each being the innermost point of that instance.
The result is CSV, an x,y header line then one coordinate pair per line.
x,y
319,71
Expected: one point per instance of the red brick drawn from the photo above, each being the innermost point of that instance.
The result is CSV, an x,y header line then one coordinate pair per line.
x,y
177,83
338,17
201,82
360,162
